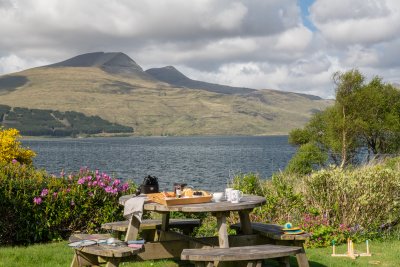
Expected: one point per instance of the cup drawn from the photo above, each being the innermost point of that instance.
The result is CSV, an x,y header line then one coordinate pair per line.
x,y
228,192
236,196
218,196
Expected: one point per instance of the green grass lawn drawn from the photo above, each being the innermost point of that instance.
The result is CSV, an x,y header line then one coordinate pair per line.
x,y
385,253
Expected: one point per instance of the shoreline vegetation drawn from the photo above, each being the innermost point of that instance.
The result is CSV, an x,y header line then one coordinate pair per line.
x,y
53,123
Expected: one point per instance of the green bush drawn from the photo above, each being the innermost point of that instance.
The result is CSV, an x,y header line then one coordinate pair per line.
x,y
332,203
249,183
37,207
367,196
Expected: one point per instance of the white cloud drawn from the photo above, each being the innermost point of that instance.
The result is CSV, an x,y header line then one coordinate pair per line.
x,y
252,43
346,22
13,63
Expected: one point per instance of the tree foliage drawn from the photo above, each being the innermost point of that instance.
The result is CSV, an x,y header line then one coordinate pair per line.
x,y
364,116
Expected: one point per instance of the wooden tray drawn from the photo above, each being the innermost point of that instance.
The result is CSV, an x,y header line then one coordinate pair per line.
x,y
171,201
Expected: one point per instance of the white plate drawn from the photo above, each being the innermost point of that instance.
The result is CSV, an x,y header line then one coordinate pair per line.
x,y
82,243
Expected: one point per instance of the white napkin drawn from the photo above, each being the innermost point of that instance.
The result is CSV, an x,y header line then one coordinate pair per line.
x,y
134,207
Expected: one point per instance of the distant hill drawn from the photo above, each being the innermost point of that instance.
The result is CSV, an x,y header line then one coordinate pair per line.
x,y
160,101
172,76
114,63
36,122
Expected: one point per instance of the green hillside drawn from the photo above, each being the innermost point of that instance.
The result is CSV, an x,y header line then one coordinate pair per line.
x,y
113,87
36,122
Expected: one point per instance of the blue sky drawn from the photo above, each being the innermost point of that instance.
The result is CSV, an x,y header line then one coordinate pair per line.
x,y
304,6
289,45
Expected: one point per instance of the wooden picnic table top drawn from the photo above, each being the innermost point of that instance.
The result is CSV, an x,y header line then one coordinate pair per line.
x,y
248,202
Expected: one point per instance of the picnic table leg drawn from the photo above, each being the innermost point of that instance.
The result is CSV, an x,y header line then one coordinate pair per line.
x,y
245,223
164,225
133,229
112,262
254,263
302,260
84,259
222,229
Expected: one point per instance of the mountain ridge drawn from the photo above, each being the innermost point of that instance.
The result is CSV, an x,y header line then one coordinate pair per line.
x,y
115,87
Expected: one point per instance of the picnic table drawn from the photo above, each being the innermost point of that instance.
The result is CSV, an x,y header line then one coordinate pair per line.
x,y
218,209
249,247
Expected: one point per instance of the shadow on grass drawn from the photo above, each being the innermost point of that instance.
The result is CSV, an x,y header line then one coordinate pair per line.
x,y
266,263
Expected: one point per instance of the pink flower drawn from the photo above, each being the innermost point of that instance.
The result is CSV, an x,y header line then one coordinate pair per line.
x,y
125,187
108,189
91,194
44,193
14,161
37,200
72,203
55,194
116,182
81,181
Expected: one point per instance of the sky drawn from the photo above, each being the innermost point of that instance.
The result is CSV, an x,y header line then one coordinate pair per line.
x,y
285,45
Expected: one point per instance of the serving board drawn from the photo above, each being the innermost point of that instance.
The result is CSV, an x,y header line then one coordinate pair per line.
x,y
171,201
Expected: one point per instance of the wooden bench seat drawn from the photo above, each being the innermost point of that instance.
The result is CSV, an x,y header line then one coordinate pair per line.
x,y
277,236
149,226
249,255
93,255
273,231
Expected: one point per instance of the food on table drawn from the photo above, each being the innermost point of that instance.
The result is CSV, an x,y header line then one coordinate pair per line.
x,y
169,194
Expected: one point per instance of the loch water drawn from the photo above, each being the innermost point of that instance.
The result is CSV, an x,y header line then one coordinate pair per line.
x,y
208,163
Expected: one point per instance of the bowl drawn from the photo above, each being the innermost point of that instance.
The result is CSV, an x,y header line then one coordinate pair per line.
x,y
217,196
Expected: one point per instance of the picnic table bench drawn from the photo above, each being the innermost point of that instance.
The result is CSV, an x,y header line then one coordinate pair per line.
x,y
277,236
93,255
148,227
250,256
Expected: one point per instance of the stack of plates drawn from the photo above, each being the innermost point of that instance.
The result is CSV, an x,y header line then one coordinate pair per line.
x,y
289,230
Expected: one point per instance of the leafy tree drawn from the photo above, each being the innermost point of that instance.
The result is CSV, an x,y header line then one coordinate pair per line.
x,y
364,116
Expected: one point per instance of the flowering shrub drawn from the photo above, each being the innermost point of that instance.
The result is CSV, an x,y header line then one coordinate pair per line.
x,y
39,207
322,232
10,147
361,203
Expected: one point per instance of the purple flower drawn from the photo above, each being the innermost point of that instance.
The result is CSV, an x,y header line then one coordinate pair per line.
x,y
125,187
37,200
81,181
44,193
14,161
108,189
89,178
116,182
68,190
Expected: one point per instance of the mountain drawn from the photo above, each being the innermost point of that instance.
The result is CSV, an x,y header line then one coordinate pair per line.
x,y
172,76
113,63
159,101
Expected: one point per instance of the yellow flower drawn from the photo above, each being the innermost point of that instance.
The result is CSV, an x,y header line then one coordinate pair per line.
x,y
11,149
